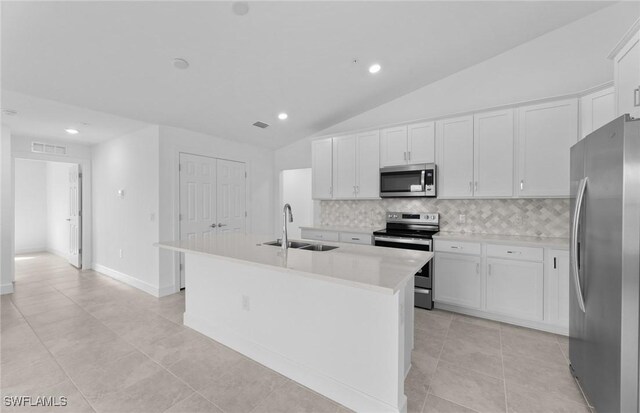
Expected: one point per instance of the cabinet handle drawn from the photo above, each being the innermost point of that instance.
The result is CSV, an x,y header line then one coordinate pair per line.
x,y
477,268
357,189
355,239
455,247
330,190
555,263
470,187
522,185
514,252
409,155
475,186
636,97
489,269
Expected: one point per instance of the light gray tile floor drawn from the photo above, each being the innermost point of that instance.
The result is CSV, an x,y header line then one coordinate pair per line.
x,y
108,347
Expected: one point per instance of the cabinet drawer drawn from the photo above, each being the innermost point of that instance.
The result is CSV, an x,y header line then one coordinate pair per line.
x,y
458,247
355,238
520,253
319,235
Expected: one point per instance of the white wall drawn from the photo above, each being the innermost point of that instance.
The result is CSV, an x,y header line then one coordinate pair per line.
x,y
260,187
295,189
564,61
58,208
76,153
7,220
30,206
130,163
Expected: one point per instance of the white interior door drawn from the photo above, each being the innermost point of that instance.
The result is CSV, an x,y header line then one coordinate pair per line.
x,y
197,199
75,216
231,192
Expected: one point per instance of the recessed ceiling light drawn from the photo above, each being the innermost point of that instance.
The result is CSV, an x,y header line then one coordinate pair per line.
x,y
72,131
374,68
282,116
240,8
179,63
9,112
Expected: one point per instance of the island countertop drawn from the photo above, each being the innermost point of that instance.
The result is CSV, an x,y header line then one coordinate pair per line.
x,y
362,266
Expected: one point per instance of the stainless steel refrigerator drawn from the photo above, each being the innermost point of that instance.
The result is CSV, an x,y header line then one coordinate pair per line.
x,y
605,265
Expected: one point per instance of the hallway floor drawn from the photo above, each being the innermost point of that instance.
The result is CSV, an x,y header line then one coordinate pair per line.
x,y
109,347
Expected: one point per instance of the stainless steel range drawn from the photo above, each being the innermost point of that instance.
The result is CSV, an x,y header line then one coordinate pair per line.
x,y
413,231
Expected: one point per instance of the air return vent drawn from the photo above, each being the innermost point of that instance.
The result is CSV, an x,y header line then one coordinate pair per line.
x,y
261,124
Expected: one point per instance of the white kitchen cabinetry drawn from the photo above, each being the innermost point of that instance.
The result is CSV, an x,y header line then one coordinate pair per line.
x,y
626,64
454,140
344,167
321,168
546,132
493,154
347,236
597,109
557,288
368,165
515,288
458,280
356,167
404,145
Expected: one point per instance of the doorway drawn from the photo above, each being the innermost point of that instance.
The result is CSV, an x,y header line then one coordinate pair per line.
x,y
48,208
212,199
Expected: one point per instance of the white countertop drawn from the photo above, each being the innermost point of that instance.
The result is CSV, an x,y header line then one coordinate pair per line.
x,y
363,266
357,230
562,243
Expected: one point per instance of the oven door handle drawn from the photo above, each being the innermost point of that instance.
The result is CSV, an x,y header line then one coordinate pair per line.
x,y
403,240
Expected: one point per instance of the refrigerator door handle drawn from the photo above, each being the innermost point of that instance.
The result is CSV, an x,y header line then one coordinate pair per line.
x,y
574,242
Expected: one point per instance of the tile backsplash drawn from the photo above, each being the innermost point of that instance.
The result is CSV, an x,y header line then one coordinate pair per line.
x,y
528,217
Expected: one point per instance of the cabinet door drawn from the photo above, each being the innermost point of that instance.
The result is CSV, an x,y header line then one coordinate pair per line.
x,y
557,288
596,109
421,142
493,154
627,77
546,133
393,146
344,167
368,165
321,168
515,288
457,280
455,157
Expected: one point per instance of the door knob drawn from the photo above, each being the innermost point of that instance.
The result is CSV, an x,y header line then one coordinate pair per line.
x,y
68,219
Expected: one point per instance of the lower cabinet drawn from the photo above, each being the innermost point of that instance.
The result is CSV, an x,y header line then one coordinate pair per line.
x,y
557,288
336,236
515,288
458,280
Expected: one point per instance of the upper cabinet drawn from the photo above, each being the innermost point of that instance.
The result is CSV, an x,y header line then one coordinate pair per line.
x,y
321,168
626,64
410,144
493,137
597,109
346,167
546,132
454,141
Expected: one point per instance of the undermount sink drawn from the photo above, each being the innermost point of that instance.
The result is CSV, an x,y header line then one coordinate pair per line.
x,y
319,247
302,245
292,244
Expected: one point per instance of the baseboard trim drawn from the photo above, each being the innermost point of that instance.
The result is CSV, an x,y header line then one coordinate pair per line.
x,y
31,250
6,288
550,328
321,383
127,279
60,254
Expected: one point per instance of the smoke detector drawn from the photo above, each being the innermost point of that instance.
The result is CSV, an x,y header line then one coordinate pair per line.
x,y
240,8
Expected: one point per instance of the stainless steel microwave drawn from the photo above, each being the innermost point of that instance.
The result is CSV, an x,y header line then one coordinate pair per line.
x,y
417,180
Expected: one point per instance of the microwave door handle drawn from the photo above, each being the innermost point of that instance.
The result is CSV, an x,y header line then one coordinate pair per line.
x,y
422,175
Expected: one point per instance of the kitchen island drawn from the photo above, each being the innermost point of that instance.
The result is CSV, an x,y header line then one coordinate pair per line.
x,y
339,322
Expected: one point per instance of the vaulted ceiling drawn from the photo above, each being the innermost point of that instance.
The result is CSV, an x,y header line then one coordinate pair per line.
x,y
308,59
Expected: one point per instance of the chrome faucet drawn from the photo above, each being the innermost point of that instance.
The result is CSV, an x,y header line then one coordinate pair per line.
x,y
285,237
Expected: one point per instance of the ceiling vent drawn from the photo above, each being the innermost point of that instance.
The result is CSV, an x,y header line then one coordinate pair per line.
x,y
261,124
39,147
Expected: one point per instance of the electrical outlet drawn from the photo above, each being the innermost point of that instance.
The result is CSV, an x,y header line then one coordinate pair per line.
x,y
246,303
120,253
462,219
